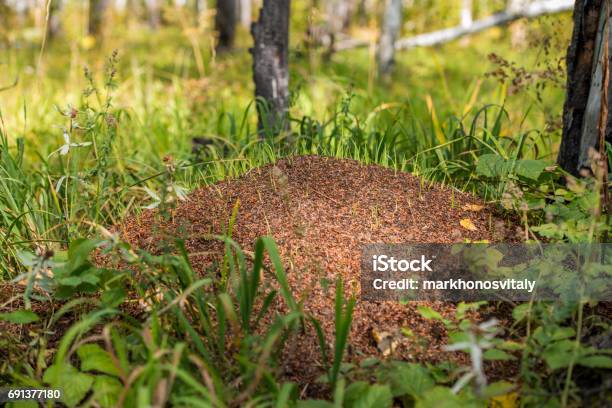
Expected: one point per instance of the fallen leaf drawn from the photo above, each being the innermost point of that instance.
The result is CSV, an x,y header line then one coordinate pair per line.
x,y
385,341
468,224
473,207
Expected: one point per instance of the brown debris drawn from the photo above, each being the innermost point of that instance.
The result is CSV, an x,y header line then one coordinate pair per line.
x,y
321,211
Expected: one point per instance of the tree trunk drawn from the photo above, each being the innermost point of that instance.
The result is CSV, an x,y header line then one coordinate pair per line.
x,y
225,23
466,13
581,112
337,19
54,26
246,13
392,23
97,8
270,66
153,14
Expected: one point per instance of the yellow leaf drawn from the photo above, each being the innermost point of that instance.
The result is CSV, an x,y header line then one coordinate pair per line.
x,y
88,42
468,224
505,401
473,207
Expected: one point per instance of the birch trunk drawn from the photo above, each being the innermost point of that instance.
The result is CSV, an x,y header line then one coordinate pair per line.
x,y
466,13
392,23
246,13
270,66
153,13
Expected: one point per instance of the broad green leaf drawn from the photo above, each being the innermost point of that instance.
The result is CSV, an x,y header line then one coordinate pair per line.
x,y
74,383
596,362
20,317
558,354
530,169
521,311
498,388
411,379
495,354
113,297
70,281
94,358
439,397
314,404
106,390
491,166
375,396
354,392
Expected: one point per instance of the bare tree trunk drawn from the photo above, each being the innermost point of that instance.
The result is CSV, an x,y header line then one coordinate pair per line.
x,y
153,13
54,26
97,9
582,109
466,13
246,13
199,8
338,14
270,65
392,23
225,23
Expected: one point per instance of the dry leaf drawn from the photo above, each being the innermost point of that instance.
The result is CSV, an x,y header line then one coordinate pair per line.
x,y
385,341
468,224
473,207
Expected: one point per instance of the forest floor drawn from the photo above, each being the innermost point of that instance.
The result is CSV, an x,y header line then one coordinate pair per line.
x,y
321,211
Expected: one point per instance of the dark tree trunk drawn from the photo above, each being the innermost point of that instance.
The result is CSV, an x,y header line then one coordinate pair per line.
x,y
584,81
270,65
97,8
225,23
54,26
391,26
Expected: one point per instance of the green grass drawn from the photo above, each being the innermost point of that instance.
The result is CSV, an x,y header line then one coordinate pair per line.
x,y
433,118
202,341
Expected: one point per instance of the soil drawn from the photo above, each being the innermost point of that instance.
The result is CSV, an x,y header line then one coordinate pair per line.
x,y
321,211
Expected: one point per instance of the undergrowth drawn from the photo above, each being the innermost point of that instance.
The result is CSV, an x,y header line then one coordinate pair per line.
x,y
148,331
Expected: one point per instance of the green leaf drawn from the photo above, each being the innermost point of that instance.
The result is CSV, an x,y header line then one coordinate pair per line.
x,y
106,390
430,314
70,281
558,354
491,166
495,354
374,396
20,317
439,397
596,361
79,251
314,404
411,379
354,391
530,169
498,388
74,383
511,345
113,297
520,312
94,358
